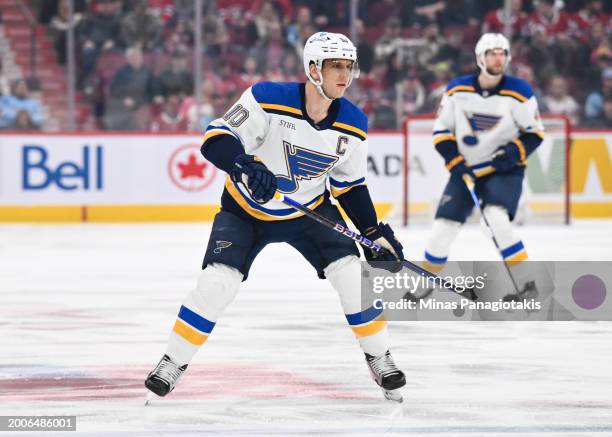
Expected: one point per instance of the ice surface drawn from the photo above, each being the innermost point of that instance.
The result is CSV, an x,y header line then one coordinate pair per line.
x,y
86,309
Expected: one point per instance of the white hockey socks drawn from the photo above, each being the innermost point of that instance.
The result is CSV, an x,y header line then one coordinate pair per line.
x,y
369,326
443,234
216,289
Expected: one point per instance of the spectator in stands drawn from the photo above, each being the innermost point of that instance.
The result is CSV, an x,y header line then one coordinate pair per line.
x,y
495,21
19,110
593,108
177,78
170,119
559,101
365,50
412,95
162,9
5,85
98,31
604,119
198,122
266,18
59,26
292,68
249,76
390,40
303,18
270,52
426,11
178,35
141,27
132,89
525,72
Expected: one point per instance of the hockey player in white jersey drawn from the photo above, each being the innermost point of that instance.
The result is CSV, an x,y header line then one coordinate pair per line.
x,y
293,138
486,127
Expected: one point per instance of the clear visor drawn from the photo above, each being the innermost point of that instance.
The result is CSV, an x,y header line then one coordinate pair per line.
x,y
342,64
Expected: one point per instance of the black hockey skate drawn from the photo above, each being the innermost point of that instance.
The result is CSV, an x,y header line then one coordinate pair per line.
x,y
164,377
386,374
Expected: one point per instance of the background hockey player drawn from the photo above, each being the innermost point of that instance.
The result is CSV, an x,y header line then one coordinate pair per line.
x,y
292,138
486,127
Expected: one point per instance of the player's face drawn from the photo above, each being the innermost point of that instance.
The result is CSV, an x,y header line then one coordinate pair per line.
x,y
336,76
495,60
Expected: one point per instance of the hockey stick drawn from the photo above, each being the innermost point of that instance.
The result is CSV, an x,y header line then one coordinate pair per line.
x,y
347,232
471,186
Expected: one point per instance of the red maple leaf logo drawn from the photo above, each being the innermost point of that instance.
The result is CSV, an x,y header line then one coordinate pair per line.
x,y
192,168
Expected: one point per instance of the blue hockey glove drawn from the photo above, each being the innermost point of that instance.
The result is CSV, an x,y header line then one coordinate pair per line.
x,y
505,158
393,250
460,168
260,182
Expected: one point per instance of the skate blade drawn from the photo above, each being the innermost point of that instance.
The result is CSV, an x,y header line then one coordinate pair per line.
x,y
393,395
149,398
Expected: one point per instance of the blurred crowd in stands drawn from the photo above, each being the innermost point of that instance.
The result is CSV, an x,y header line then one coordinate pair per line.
x,y
135,58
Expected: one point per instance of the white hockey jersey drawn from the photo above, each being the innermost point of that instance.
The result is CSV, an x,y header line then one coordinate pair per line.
x,y
482,120
271,122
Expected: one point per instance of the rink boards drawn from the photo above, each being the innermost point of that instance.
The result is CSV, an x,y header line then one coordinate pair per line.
x,y
162,177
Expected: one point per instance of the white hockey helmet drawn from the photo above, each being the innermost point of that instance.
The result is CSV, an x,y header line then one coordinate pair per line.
x,y
490,41
326,45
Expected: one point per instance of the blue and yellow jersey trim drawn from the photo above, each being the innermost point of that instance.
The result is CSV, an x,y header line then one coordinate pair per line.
x,y
461,84
483,169
279,98
338,188
274,108
443,135
516,88
522,152
460,88
350,130
367,323
267,214
454,162
213,131
351,120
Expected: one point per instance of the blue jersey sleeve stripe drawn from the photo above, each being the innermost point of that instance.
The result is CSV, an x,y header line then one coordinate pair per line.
x,y
195,320
364,316
340,184
443,131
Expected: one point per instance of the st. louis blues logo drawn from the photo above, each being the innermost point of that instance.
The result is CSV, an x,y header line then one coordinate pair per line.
x,y
302,164
479,123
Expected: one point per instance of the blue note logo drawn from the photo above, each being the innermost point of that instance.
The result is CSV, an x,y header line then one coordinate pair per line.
x,y
84,173
480,123
302,164
221,245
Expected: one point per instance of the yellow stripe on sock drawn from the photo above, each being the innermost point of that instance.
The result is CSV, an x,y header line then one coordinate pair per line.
x,y
433,268
371,328
517,259
191,335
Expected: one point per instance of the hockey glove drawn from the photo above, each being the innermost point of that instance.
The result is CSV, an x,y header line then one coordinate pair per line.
x,y
459,169
258,180
392,249
505,158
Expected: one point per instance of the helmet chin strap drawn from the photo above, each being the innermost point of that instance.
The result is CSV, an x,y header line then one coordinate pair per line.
x,y
319,86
